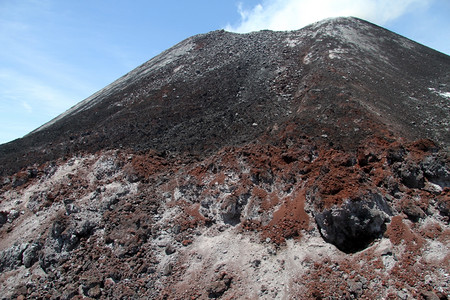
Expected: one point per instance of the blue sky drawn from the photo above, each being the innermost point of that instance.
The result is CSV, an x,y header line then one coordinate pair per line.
x,y
55,53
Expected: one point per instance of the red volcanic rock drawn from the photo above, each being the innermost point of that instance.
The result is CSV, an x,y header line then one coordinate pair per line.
x,y
307,164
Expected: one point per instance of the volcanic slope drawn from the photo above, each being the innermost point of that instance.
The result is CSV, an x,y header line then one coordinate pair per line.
x,y
222,88
304,164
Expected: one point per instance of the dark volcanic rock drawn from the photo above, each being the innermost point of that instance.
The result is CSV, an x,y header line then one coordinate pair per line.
x,y
219,285
3,217
355,224
437,170
31,254
411,175
11,258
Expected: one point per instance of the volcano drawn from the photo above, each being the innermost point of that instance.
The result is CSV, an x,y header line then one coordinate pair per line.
x,y
305,164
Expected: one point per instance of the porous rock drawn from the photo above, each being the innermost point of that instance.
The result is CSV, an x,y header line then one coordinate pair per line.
x,y
355,224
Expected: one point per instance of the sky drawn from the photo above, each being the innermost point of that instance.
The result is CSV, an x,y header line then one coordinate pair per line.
x,y
55,53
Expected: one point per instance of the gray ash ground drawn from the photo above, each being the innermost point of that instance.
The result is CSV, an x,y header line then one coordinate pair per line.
x,y
307,164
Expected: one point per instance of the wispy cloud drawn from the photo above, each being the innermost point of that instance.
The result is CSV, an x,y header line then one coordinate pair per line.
x,y
27,107
20,90
40,76
27,102
294,14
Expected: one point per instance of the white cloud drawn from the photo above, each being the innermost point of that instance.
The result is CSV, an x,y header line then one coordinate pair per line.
x,y
295,14
27,102
27,107
18,89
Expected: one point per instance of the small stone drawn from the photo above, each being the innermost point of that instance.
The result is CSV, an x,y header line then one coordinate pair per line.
x,y
31,254
3,217
167,270
176,229
219,286
427,279
95,292
386,251
170,249
13,214
355,288
427,295
186,242
109,282
432,188
402,295
70,291
413,212
256,263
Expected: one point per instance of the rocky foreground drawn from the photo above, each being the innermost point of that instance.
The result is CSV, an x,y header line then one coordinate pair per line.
x,y
317,169
259,221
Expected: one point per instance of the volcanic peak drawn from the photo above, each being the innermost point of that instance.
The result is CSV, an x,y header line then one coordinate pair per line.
x,y
196,96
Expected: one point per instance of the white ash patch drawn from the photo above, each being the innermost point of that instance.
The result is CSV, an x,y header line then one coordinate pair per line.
x,y
405,43
105,166
334,53
309,58
166,57
436,252
166,215
292,42
31,223
260,265
354,37
385,249
177,194
320,24
29,226
365,42
445,95
72,166
177,69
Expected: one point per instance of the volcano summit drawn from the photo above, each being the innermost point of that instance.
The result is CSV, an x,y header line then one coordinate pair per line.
x,y
306,164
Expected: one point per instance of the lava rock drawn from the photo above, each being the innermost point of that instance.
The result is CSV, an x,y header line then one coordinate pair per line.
x,y
11,257
167,270
443,206
95,292
170,249
436,170
411,175
427,295
413,212
70,291
355,224
31,254
3,218
13,214
219,286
